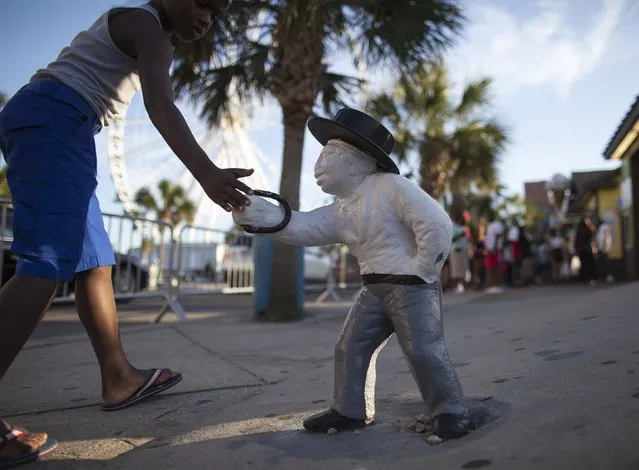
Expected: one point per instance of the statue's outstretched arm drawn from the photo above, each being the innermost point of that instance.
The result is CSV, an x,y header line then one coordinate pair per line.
x,y
314,228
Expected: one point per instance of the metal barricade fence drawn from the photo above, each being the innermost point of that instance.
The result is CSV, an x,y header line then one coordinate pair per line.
x,y
141,268
343,276
152,262
145,254
213,261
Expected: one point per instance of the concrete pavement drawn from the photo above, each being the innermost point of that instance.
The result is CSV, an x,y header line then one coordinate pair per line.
x,y
555,364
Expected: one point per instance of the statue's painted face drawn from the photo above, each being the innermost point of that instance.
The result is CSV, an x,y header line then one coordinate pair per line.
x,y
331,169
340,166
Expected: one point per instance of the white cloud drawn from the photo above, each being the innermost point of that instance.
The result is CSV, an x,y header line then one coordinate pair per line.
x,y
544,49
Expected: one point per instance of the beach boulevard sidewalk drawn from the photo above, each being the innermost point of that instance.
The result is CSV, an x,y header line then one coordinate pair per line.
x,y
554,365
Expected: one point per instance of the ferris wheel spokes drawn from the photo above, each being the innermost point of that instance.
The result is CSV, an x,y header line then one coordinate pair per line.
x,y
138,156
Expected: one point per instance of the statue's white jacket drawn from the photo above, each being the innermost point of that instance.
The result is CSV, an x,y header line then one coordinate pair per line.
x,y
389,223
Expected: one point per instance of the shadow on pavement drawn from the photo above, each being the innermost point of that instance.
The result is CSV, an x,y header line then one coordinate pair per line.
x,y
241,444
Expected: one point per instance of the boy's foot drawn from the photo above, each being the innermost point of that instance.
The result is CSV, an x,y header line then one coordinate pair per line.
x,y
330,418
17,446
129,389
451,426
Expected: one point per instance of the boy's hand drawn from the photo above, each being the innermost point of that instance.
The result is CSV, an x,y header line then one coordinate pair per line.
x,y
223,187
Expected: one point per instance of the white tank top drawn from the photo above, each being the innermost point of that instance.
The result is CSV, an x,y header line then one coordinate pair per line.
x,y
94,67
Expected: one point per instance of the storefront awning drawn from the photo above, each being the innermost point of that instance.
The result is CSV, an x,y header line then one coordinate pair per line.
x,y
625,141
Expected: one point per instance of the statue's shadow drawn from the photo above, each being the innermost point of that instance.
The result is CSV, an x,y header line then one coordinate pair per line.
x,y
385,438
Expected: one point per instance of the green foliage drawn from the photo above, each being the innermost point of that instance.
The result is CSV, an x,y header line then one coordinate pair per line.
x,y
249,53
458,144
172,206
483,206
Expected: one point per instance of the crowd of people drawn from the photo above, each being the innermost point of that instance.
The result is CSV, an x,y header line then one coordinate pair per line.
x,y
513,255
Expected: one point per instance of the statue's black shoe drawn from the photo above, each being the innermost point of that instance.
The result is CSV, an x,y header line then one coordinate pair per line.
x,y
452,426
322,422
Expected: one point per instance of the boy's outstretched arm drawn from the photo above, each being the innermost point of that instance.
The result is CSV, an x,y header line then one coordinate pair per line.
x,y
154,54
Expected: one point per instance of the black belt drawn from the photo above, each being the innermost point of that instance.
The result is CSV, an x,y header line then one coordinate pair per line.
x,y
402,279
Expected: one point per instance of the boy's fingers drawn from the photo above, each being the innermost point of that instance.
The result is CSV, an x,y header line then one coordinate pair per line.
x,y
222,204
242,172
234,198
242,187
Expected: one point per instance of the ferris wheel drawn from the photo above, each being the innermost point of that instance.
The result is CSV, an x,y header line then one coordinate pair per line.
x,y
139,157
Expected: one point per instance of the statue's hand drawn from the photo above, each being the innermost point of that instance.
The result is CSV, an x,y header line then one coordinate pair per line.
x,y
260,213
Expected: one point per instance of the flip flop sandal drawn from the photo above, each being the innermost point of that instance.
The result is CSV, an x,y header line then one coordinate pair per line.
x,y
12,434
149,389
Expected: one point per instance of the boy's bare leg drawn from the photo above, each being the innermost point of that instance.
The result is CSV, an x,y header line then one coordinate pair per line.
x,y
95,303
23,302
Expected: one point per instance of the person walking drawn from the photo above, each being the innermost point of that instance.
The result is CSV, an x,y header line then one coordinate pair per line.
x,y
47,134
493,244
525,246
459,254
604,239
557,246
583,248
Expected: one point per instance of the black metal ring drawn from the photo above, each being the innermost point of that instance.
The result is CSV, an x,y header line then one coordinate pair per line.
x,y
276,228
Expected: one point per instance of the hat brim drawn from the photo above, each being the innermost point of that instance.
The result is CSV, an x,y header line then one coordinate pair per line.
x,y
325,129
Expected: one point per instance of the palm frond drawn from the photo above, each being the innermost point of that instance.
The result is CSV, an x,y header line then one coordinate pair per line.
x,y
184,212
215,86
333,89
477,149
427,28
457,145
384,107
475,96
145,200
424,95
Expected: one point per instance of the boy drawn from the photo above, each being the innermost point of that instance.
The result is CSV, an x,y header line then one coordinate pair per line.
x,y
46,136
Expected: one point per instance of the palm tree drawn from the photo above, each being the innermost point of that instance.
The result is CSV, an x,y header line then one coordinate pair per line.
x,y
281,49
172,207
458,144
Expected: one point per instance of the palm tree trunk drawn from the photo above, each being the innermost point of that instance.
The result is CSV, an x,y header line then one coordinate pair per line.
x,y
284,295
432,179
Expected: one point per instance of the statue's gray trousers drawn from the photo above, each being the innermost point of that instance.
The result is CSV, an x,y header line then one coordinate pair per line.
x,y
414,312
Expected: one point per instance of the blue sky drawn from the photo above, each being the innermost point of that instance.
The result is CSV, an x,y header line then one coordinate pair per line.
x,y
565,73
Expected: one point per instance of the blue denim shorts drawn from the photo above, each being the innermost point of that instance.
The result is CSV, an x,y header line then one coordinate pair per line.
x,y
47,137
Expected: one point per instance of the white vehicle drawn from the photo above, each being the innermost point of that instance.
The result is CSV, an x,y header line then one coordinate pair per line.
x,y
237,264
